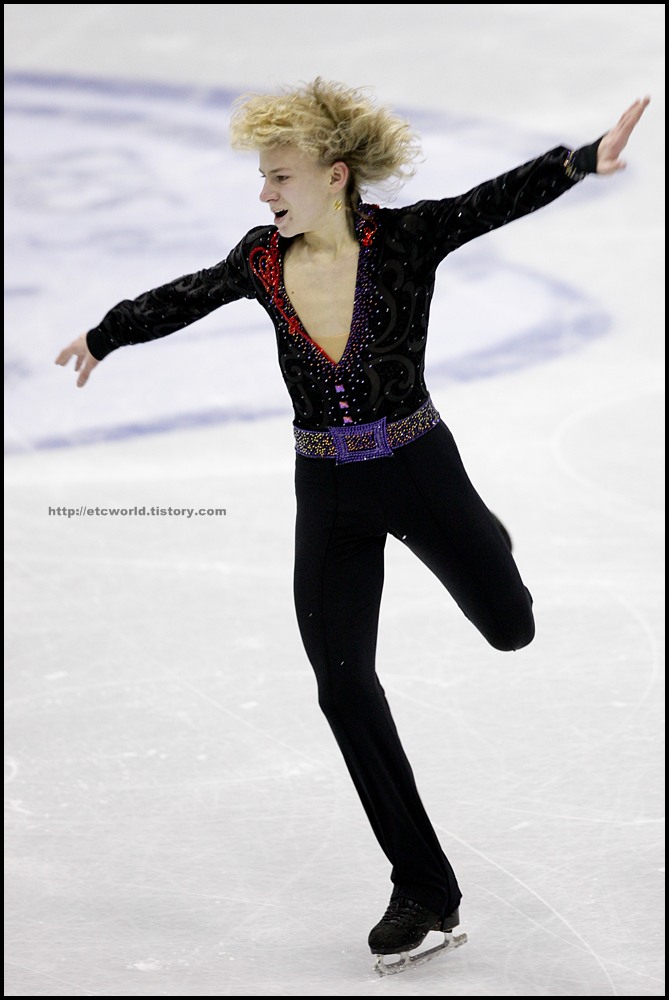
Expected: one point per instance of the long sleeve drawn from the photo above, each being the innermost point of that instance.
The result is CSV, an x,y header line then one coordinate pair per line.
x,y
449,223
173,306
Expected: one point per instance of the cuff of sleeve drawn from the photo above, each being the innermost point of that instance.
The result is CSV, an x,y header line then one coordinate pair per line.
x,y
95,345
583,161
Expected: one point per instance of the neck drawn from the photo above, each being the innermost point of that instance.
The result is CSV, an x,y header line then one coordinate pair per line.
x,y
336,237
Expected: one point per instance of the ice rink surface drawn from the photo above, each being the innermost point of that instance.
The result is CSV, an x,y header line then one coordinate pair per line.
x,y
178,818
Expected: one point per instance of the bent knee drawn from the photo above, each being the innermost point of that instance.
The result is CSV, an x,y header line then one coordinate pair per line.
x,y
509,640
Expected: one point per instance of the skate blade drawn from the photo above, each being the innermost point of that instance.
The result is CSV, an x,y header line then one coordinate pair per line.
x,y
409,961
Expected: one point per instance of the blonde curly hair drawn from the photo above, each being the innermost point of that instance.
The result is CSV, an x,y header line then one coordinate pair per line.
x,y
331,122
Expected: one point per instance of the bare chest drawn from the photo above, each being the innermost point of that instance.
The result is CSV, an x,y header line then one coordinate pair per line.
x,y
323,296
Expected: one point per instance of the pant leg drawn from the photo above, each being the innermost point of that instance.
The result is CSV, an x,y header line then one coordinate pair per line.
x,y
340,538
436,511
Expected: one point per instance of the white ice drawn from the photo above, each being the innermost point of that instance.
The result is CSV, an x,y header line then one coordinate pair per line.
x,y
179,820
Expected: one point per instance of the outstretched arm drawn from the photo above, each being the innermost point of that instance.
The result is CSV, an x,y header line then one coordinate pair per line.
x,y
615,140
164,310
85,362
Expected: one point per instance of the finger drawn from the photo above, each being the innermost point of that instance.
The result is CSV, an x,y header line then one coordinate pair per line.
x,y
634,112
64,356
83,377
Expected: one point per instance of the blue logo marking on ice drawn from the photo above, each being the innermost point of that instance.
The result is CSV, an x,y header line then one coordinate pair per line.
x,y
113,188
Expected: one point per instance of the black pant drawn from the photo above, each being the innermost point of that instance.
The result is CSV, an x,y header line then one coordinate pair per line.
x,y
423,496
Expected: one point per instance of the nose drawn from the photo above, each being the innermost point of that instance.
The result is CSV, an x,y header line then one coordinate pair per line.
x,y
266,192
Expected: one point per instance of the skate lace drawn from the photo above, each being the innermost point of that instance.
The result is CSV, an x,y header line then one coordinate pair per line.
x,y
402,912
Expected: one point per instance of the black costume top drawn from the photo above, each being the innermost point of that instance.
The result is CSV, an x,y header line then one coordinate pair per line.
x,y
381,373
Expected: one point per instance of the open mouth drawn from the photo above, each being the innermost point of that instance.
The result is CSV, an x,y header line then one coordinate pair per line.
x,y
281,214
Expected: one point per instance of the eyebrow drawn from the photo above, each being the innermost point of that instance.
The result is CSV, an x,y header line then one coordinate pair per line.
x,y
275,170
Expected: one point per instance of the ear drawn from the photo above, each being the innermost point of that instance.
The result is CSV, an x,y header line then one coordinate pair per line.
x,y
339,174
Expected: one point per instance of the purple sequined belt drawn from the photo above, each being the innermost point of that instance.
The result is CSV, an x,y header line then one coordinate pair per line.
x,y
359,442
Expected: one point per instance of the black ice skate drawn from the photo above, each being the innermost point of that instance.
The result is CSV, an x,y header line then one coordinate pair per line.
x,y
403,928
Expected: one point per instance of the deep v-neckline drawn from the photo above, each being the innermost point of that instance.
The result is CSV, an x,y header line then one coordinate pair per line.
x,y
301,329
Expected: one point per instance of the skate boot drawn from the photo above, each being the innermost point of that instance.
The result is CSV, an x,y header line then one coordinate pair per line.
x,y
403,928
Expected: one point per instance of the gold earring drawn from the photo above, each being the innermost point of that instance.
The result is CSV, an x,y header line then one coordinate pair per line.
x,y
338,205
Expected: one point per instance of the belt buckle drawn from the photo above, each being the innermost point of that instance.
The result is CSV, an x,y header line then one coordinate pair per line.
x,y
358,442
